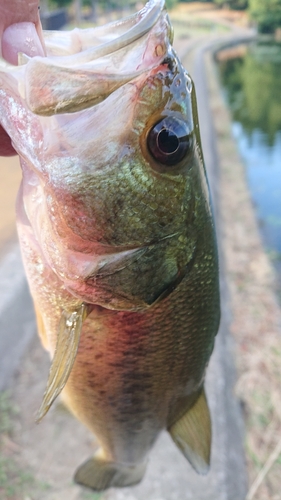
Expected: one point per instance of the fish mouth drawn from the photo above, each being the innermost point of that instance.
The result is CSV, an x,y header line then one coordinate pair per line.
x,y
79,73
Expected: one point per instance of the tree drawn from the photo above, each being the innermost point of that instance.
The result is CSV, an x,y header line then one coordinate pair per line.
x,y
253,89
171,3
233,4
266,13
60,3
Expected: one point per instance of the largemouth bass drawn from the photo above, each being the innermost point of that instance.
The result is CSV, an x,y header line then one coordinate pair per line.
x,y
117,237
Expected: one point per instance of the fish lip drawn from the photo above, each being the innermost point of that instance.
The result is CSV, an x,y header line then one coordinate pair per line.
x,y
141,23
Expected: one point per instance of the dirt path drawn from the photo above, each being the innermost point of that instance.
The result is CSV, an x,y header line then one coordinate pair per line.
x,y
10,176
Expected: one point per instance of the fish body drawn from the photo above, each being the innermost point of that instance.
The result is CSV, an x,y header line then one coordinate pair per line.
x,y
117,237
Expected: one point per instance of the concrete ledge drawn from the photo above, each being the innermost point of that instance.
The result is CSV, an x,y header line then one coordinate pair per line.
x,y
17,323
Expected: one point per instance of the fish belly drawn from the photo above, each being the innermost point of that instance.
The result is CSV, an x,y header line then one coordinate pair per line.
x,y
112,386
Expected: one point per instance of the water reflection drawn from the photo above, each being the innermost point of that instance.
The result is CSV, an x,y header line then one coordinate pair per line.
x,y
253,90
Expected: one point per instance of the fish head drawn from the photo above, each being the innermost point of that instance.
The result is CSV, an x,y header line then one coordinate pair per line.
x,y
117,197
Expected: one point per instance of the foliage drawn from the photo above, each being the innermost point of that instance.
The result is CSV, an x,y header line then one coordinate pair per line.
x,y
266,13
59,3
253,84
189,1
171,3
233,4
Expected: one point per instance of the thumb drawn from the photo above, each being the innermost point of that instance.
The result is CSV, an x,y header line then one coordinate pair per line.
x,y
21,37
20,31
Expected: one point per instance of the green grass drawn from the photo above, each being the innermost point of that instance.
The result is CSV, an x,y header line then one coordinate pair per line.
x,y
88,495
15,481
12,479
7,411
254,457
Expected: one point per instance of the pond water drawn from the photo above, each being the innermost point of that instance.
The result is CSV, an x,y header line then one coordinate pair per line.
x,y
251,78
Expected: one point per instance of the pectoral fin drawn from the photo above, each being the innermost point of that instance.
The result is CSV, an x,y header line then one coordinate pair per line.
x,y
192,434
41,328
99,474
66,349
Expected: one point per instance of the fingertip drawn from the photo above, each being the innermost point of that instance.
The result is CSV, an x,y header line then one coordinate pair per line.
x,y
6,148
21,37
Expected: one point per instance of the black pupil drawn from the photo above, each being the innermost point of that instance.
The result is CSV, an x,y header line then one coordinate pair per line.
x,y
168,142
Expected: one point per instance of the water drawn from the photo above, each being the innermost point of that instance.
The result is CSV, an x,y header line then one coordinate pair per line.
x,y
252,84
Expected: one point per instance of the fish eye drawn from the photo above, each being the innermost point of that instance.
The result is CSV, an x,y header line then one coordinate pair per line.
x,y
169,141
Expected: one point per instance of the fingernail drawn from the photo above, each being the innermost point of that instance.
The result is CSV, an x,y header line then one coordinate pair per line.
x,y
21,37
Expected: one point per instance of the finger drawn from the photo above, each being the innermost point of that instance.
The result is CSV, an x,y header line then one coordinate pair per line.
x,y
6,148
21,37
20,31
19,11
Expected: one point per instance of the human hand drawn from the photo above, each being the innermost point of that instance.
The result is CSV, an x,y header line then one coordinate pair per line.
x,y
20,31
